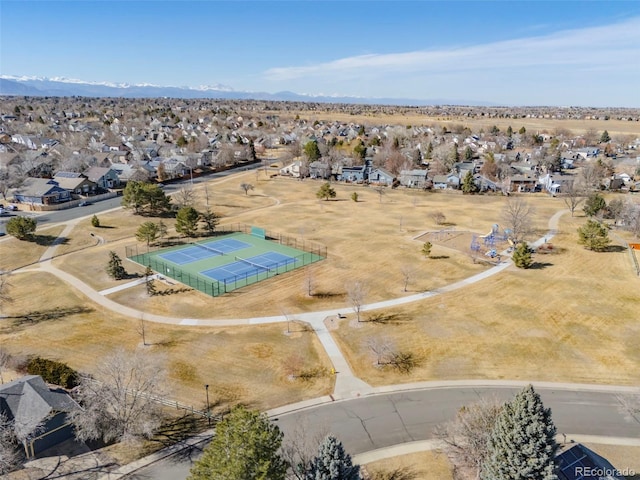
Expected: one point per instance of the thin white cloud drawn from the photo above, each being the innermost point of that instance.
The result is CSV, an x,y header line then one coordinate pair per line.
x,y
615,46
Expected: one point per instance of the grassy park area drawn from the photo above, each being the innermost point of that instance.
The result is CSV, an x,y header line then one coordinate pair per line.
x,y
545,323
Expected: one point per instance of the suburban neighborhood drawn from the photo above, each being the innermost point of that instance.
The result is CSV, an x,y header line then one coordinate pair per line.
x,y
160,158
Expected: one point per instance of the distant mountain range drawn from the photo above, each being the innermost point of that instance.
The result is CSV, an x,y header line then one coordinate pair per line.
x,y
63,87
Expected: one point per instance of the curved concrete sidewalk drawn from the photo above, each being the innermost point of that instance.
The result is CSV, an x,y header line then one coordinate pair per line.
x,y
347,384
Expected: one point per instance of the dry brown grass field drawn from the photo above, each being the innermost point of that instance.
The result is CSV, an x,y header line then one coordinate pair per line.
x,y
570,318
370,240
242,364
541,125
428,465
16,253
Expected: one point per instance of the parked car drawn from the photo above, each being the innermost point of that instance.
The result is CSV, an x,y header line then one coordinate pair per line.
x,y
13,208
84,204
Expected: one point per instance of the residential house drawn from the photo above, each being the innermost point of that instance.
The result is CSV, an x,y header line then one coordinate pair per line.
x,y
104,178
75,183
34,407
555,183
413,178
126,172
319,169
578,462
440,182
585,153
522,183
485,184
357,174
41,191
380,176
294,169
30,142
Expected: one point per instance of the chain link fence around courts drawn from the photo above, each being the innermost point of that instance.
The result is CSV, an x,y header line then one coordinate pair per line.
x,y
311,252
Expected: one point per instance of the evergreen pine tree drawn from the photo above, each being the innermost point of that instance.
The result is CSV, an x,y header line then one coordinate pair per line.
x,y
522,444
429,153
594,236
245,447
468,183
332,463
114,268
522,256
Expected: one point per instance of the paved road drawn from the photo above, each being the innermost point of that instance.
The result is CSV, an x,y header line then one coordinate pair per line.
x,y
63,216
380,421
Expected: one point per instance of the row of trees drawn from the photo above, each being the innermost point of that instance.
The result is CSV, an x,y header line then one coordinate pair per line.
x,y
248,446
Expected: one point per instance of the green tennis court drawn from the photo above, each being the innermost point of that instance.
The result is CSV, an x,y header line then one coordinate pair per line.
x,y
225,263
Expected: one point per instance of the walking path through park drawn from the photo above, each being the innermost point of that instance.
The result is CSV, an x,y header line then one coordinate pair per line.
x,y
347,384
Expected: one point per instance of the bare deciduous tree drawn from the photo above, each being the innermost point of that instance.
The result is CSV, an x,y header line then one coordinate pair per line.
x,y
246,187
5,286
408,272
9,453
438,217
381,348
118,404
573,196
299,448
309,281
185,197
592,174
5,359
517,215
466,437
356,294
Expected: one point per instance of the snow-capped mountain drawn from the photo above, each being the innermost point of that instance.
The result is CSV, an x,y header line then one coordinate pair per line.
x,y
69,87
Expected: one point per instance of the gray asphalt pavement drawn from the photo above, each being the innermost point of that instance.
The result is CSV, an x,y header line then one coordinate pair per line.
x,y
62,216
380,421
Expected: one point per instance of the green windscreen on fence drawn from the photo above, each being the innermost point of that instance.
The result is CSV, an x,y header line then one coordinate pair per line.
x,y
258,232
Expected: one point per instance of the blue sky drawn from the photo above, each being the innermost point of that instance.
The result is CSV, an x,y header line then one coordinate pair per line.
x,y
505,52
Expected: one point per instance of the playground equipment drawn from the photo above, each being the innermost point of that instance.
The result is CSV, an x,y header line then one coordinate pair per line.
x,y
490,239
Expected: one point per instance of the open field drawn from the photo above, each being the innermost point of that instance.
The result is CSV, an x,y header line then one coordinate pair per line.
x,y
546,323
541,125
375,231
16,253
243,364
570,318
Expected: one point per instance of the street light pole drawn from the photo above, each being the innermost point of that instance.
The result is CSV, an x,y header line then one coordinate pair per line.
x,y
206,387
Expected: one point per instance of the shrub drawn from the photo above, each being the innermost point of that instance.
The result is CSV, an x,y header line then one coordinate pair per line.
x,y
95,221
54,372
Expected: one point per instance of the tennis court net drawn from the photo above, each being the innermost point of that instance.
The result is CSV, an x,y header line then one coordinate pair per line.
x,y
255,265
217,252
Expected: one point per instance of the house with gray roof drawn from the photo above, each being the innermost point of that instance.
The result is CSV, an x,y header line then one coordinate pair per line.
x,y
413,178
380,176
41,191
74,182
103,177
38,413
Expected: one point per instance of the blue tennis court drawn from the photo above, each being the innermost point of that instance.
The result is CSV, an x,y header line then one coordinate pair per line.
x,y
198,251
241,268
